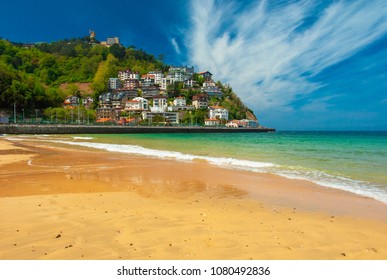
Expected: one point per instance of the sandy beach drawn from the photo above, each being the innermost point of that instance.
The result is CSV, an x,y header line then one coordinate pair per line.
x,y
61,202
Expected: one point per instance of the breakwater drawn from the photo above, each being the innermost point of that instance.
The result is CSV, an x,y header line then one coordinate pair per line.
x,y
105,129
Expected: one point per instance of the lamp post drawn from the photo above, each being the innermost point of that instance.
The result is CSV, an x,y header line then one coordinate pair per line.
x,y
36,115
14,112
23,115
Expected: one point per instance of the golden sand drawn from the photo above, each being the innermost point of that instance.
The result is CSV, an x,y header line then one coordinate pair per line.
x,y
66,203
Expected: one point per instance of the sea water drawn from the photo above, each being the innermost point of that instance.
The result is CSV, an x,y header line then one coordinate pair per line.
x,y
351,161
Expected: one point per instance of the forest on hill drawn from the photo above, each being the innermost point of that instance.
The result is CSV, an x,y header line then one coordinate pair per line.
x,y
31,74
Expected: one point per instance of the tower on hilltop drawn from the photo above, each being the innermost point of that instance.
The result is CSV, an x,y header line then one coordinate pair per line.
x,y
92,34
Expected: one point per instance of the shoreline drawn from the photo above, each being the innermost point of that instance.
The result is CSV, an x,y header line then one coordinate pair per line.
x,y
215,214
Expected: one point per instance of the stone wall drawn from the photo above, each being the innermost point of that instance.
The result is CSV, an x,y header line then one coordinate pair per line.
x,y
103,129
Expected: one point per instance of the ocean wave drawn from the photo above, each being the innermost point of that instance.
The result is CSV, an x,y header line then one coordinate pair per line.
x,y
163,154
334,181
292,172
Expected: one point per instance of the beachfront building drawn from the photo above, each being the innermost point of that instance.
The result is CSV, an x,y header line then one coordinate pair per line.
x,y
168,117
212,122
218,112
242,123
200,101
104,114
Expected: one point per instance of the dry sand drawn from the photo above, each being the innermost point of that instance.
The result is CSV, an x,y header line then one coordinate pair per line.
x,y
67,203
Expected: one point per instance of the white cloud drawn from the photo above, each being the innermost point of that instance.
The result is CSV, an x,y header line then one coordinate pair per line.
x,y
319,105
268,54
175,45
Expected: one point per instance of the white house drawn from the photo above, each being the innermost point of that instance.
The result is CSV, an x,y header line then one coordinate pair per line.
x,y
243,123
200,101
218,112
159,104
179,102
148,80
211,122
169,117
128,74
158,76
209,83
180,73
189,83
137,104
165,82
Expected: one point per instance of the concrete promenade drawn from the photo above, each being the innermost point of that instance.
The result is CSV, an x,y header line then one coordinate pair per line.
x,y
115,129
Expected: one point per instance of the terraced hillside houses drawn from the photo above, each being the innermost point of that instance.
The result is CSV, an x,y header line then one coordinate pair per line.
x,y
179,96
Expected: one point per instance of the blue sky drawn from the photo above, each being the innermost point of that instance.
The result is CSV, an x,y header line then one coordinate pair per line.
x,y
300,65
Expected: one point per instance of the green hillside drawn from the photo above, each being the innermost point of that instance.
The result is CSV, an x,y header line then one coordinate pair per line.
x,y
39,76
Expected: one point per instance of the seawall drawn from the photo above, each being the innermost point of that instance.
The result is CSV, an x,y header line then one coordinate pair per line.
x,y
104,129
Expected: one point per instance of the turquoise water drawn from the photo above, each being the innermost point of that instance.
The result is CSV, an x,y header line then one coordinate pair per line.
x,y
352,161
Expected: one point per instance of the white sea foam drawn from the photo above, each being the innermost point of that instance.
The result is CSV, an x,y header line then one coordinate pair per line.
x,y
82,138
336,182
162,154
315,176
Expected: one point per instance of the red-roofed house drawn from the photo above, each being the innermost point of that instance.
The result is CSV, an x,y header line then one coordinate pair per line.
x,y
206,75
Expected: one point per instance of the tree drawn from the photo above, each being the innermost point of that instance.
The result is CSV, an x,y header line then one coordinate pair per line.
x,y
174,90
161,57
118,51
106,69
73,89
158,119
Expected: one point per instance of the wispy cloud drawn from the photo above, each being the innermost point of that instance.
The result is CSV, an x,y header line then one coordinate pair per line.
x,y
175,45
320,104
270,53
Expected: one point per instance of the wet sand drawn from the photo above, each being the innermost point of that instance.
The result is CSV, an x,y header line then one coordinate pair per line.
x,y
60,202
